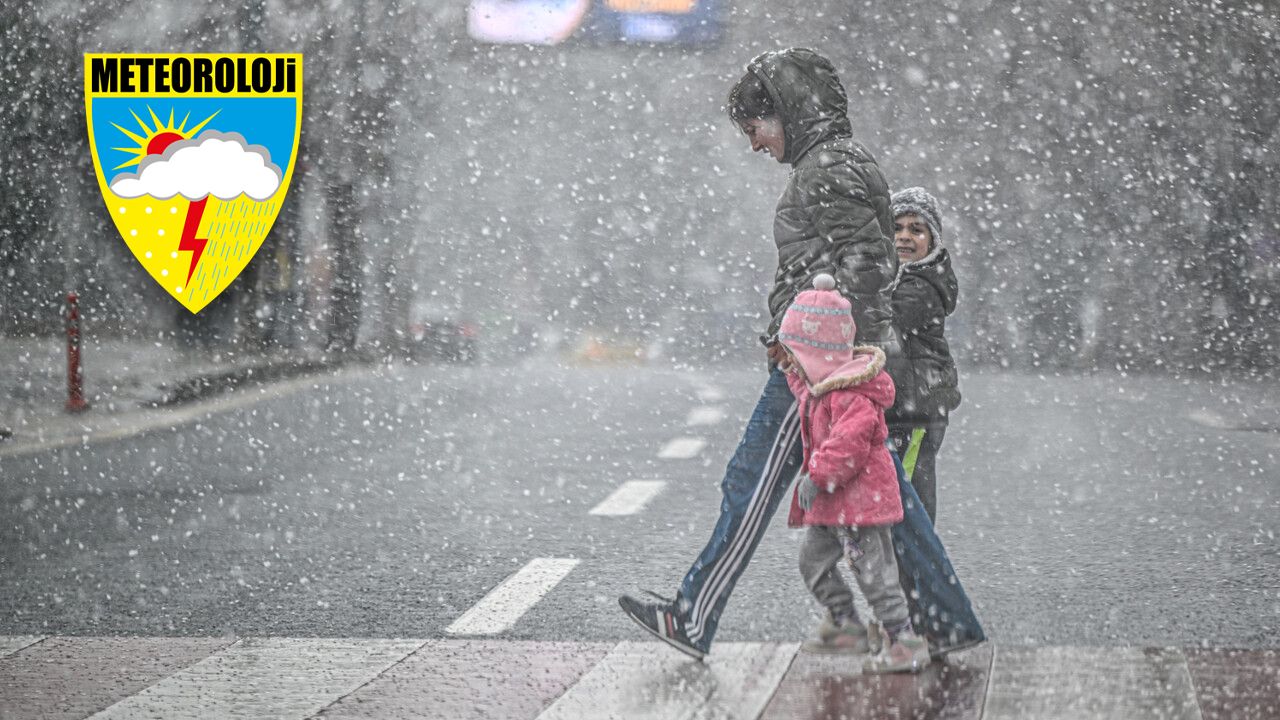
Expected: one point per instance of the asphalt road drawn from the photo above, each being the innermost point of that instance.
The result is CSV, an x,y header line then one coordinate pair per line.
x,y
1081,510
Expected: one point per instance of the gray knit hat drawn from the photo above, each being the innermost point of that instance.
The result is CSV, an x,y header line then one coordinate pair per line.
x,y
918,201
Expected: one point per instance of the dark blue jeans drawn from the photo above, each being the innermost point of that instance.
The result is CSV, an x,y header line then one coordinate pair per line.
x,y
940,609
757,478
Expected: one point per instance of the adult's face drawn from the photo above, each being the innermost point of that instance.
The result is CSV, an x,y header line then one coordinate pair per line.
x,y
766,135
911,237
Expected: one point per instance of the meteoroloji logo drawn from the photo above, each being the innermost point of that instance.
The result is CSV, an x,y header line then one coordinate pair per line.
x,y
193,155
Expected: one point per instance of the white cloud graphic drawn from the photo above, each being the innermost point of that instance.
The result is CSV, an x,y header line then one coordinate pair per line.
x,y
219,164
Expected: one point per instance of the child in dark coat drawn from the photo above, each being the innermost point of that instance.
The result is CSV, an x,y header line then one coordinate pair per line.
x,y
924,294
847,496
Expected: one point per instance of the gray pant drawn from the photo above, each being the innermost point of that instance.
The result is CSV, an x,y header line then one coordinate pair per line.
x,y
876,572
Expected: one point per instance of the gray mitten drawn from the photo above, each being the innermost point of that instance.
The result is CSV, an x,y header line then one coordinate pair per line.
x,y
807,492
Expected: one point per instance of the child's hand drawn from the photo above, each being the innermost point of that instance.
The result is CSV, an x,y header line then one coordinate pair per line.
x,y
807,492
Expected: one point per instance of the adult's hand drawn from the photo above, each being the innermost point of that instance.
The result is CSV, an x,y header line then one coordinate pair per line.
x,y
778,356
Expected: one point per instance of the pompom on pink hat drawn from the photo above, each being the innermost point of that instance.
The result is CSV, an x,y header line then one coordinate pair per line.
x,y
818,329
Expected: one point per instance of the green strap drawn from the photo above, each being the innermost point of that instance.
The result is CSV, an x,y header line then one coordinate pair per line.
x,y
913,450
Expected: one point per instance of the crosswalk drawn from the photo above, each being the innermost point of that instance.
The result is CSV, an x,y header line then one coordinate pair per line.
x,y
454,679
475,672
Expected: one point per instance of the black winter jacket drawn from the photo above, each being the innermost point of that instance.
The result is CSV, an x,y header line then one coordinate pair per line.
x,y
834,214
924,372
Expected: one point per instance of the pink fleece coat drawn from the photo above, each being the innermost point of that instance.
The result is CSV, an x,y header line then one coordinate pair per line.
x,y
843,428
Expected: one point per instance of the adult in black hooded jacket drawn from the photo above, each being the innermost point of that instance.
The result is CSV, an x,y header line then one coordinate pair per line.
x,y
833,217
834,213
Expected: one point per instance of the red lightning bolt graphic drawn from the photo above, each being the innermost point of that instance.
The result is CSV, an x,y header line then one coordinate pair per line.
x,y
189,240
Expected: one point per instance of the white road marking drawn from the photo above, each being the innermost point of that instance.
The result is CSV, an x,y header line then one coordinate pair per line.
x,y
709,415
504,605
630,498
682,448
1208,418
710,394
10,644
103,429
638,680
266,677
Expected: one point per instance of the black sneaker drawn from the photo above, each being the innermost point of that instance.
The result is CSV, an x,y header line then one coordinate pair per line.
x,y
662,622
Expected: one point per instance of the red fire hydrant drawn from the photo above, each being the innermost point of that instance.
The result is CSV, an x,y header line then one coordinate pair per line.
x,y
75,378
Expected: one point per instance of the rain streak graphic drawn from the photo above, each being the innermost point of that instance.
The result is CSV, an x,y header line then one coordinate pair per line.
x,y
211,190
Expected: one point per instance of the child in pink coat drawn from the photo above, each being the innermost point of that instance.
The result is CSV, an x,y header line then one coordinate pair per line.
x,y
847,496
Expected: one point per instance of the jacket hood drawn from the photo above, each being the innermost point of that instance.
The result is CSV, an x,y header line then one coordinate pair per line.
x,y
810,100
863,374
935,269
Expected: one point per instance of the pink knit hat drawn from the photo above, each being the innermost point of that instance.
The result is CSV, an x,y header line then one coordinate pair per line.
x,y
818,329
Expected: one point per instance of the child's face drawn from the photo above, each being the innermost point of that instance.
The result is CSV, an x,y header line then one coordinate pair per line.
x,y
911,237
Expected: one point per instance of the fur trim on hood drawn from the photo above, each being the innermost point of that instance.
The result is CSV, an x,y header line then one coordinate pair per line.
x,y
867,362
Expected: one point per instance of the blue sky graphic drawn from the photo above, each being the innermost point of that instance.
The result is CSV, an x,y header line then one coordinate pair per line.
x,y
262,121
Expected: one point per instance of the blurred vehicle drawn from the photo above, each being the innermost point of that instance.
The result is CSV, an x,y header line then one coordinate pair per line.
x,y
436,333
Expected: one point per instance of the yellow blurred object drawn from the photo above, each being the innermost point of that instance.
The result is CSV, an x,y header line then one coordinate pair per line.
x,y
598,351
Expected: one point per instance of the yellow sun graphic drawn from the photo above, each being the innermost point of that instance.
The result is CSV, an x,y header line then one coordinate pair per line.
x,y
154,140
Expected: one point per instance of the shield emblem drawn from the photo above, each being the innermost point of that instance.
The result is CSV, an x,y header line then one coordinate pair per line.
x,y
193,154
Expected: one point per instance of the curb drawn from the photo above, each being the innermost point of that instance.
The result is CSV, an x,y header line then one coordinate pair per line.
x,y
201,386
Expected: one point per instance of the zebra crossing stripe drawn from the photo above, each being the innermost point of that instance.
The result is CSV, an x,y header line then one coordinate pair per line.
x,y
266,677
472,680
10,644
74,677
634,682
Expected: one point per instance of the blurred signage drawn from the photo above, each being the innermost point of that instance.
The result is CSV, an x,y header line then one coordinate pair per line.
x,y
526,22
552,22
651,6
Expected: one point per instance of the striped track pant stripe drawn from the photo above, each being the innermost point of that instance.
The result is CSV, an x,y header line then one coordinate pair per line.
x,y
754,522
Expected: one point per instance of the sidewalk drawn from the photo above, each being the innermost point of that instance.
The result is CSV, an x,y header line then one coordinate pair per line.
x,y
226,677
122,378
